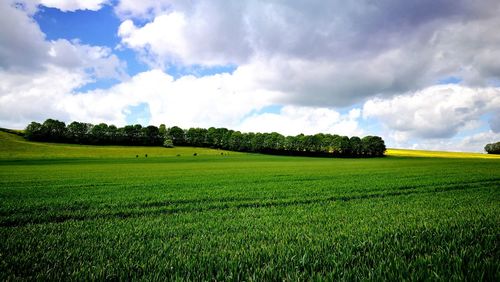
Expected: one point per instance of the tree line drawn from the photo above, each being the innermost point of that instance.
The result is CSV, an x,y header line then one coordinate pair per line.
x,y
493,148
221,138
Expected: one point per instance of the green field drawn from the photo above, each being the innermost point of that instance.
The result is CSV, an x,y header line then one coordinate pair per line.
x,y
86,212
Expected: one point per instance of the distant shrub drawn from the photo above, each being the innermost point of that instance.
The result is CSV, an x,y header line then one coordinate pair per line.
x,y
195,154
493,148
146,155
168,143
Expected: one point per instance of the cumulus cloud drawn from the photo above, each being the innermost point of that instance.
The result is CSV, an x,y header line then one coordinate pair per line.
x,y
181,38
73,5
37,74
151,41
97,61
24,48
25,97
292,120
217,100
435,112
338,53
472,143
495,123
23,44
144,9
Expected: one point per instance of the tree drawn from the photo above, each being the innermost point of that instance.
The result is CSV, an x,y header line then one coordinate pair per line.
x,y
300,143
137,135
317,142
335,144
345,146
373,146
78,132
177,135
127,136
196,136
54,130
162,130
255,142
493,148
235,141
224,143
113,134
99,134
167,143
246,142
356,146
211,139
290,144
151,135
34,131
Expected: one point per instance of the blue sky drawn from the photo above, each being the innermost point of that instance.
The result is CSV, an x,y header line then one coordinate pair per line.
x,y
419,74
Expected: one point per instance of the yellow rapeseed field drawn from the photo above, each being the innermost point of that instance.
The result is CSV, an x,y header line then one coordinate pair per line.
x,y
437,154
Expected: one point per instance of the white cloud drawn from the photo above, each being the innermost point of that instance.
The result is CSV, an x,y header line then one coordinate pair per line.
x,y
217,100
293,120
24,48
472,143
144,9
176,37
73,5
335,53
37,74
97,61
435,112
225,100
22,42
160,38
27,97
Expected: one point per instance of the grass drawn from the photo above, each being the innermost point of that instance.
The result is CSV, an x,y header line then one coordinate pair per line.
x,y
84,212
16,147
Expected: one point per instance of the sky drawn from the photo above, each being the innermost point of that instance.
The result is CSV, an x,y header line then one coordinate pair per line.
x,y
422,74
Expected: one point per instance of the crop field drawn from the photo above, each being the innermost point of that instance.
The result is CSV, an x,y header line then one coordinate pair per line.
x,y
438,154
87,212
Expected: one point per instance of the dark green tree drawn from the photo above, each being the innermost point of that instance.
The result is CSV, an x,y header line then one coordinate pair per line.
x,y
99,134
34,131
162,130
177,135
356,146
78,132
151,135
493,148
54,130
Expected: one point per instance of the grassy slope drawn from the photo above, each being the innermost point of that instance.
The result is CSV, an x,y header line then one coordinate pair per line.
x,y
243,217
16,147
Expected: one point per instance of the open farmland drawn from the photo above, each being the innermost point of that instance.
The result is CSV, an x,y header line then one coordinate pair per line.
x,y
88,212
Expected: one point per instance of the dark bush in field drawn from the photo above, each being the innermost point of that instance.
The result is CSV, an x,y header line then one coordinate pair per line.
x,y
221,138
493,148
